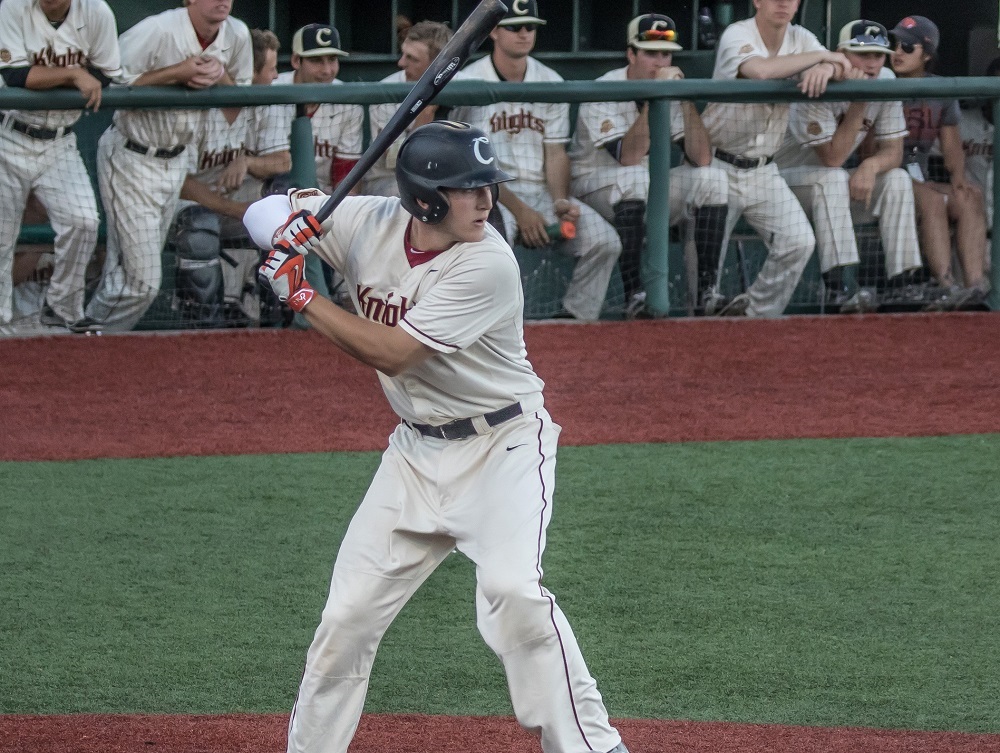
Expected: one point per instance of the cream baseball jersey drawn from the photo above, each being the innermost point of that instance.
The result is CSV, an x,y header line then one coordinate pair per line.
x,y
813,123
218,143
744,129
336,131
977,143
600,123
87,37
166,39
518,130
378,118
465,302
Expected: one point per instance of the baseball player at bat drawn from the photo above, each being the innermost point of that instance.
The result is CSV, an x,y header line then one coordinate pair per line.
x,y
48,45
531,139
139,164
471,464
823,136
610,164
745,137
421,45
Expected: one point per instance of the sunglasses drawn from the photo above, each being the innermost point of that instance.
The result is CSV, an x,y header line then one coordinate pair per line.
x,y
866,40
906,47
658,35
519,27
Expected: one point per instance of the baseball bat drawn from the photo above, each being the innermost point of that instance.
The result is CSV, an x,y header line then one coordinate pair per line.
x,y
464,42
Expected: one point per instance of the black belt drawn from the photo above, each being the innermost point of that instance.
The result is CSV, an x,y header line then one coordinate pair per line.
x,y
160,153
463,428
36,132
743,163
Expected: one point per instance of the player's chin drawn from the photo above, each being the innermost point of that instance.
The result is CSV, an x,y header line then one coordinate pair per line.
x,y
475,232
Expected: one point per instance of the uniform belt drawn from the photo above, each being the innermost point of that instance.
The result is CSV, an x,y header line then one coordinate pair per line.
x,y
35,132
152,151
742,163
463,428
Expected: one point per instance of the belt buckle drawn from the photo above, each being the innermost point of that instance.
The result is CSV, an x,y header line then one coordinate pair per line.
x,y
446,431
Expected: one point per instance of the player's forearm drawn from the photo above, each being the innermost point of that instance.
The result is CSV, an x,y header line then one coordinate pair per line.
x,y
387,349
834,153
557,170
887,156
169,76
781,66
951,149
697,143
44,77
636,141
510,200
265,166
195,190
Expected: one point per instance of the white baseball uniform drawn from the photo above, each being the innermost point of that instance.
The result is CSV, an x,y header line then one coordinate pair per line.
x,y
824,192
49,162
601,181
977,143
381,178
755,132
519,132
336,132
140,167
488,495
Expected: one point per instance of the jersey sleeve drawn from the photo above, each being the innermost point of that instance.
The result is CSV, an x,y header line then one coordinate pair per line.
x,y
350,138
12,35
140,52
891,123
104,53
736,46
240,67
270,130
811,123
602,122
556,123
481,289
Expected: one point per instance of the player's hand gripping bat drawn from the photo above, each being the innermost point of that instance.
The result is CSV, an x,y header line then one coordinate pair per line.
x,y
465,41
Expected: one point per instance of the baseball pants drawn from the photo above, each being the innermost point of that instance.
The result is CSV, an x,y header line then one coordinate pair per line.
x,y
596,248
140,194
491,497
56,173
770,208
825,196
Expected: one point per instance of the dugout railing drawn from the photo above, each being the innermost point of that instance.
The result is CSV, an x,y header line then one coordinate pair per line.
x,y
664,260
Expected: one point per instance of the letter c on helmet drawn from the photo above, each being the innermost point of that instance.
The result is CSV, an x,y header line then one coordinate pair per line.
x,y
475,148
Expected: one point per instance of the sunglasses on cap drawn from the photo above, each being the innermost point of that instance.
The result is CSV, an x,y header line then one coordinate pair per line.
x,y
879,41
658,35
519,27
906,47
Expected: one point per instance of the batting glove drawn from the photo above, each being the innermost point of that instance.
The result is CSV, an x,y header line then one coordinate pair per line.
x,y
301,231
285,272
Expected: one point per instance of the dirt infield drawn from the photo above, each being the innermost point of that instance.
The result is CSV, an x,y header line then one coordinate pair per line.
x,y
249,392
447,734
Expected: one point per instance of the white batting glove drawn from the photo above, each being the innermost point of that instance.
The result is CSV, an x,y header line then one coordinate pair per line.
x,y
301,232
284,271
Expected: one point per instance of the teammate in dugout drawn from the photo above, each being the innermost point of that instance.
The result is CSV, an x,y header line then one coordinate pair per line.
x,y
421,44
530,139
823,136
745,137
139,164
47,45
472,463
610,165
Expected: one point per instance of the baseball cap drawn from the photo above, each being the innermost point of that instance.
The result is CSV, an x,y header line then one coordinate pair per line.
x,y
918,30
653,31
864,36
521,12
315,40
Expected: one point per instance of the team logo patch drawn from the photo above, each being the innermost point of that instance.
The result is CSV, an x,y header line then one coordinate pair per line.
x,y
745,49
4,56
813,129
606,126
307,193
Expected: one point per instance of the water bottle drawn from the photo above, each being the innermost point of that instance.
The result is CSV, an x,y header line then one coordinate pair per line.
x,y
561,231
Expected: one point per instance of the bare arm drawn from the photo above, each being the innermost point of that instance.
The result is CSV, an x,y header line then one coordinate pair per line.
x,y
636,141
786,66
391,350
886,155
195,190
268,165
697,144
43,77
835,152
557,170
954,155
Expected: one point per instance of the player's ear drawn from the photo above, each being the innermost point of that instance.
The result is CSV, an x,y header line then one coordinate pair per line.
x,y
296,61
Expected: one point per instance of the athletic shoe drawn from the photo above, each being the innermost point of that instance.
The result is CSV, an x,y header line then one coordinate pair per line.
x,y
712,301
862,302
85,326
50,318
636,306
736,307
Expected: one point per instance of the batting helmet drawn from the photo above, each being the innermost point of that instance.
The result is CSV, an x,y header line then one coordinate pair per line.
x,y
444,154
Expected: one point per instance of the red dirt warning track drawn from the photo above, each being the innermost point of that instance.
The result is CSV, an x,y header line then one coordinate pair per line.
x,y
250,392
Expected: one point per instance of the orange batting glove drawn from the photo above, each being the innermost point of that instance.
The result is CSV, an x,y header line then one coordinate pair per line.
x,y
284,271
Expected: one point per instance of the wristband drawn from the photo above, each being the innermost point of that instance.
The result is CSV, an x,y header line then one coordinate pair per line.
x,y
301,297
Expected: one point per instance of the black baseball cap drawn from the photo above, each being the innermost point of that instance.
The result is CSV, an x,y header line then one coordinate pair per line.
x,y
918,30
521,12
864,36
315,40
653,31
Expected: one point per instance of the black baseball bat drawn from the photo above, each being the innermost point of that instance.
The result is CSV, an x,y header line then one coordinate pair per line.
x,y
466,40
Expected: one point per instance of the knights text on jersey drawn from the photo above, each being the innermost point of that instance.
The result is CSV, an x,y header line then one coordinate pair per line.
x,y
465,302
88,37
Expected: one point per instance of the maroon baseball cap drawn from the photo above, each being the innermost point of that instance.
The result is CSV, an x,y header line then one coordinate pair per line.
x,y
918,30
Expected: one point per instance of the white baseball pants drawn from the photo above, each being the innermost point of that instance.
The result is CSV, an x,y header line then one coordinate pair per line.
x,y
491,497
825,196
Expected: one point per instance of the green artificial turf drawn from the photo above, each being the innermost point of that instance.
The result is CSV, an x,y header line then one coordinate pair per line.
x,y
810,582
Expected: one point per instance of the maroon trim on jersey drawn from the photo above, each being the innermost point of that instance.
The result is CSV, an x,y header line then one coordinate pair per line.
x,y
414,255
205,42
424,334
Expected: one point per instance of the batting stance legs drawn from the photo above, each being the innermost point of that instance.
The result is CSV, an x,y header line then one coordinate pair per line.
x,y
429,496
140,195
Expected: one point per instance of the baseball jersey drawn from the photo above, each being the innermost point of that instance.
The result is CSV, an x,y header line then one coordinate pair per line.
x,y
465,302
518,130
601,123
378,118
751,129
336,131
813,123
87,37
977,143
218,143
924,119
166,39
